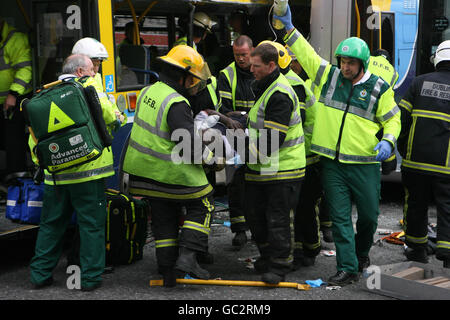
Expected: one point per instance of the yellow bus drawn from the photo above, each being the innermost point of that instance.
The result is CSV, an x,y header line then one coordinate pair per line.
x,y
56,25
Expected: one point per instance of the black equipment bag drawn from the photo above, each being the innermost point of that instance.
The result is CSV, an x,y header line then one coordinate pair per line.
x,y
126,227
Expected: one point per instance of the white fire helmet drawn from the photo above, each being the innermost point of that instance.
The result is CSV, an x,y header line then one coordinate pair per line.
x,y
442,53
91,47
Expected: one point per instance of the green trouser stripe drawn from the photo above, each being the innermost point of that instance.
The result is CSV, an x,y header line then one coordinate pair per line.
x,y
343,183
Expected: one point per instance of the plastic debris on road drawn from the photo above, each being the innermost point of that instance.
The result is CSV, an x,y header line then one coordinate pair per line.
x,y
315,283
333,288
328,253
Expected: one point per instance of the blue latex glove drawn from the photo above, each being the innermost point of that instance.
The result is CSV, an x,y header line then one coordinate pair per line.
x,y
384,150
286,19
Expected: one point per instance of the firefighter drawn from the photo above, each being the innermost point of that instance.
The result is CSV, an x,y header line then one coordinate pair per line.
x,y
355,105
81,188
234,85
15,85
163,110
202,25
380,65
275,160
311,162
306,230
424,145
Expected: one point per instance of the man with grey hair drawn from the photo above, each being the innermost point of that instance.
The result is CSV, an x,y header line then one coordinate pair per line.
x,y
81,188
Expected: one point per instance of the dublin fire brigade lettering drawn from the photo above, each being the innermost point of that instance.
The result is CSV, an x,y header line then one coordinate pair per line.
x,y
435,90
70,155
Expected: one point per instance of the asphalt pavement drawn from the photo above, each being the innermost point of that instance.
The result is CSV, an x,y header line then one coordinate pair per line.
x,y
131,282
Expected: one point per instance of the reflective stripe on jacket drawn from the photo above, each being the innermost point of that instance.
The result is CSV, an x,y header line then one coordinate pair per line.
x,y
349,116
424,142
149,152
289,161
15,63
242,99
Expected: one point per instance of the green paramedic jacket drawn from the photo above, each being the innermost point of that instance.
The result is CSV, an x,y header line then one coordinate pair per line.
x,y
347,117
15,63
101,167
148,158
289,161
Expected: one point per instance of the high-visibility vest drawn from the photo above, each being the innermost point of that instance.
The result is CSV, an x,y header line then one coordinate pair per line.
x,y
101,167
183,40
149,151
289,162
15,63
231,76
348,117
308,106
212,90
381,67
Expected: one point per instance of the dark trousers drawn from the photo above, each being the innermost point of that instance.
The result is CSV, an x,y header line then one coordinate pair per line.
x,y
420,190
270,214
166,228
306,225
324,213
14,142
236,200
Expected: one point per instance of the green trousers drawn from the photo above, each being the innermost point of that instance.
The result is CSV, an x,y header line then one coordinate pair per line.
x,y
88,200
342,184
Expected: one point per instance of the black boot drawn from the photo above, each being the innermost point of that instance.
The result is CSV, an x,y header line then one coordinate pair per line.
x,y
327,234
205,258
363,263
417,254
342,278
240,239
187,263
272,278
261,265
169,278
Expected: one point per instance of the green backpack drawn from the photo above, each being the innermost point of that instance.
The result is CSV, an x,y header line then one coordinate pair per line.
x,y
67,125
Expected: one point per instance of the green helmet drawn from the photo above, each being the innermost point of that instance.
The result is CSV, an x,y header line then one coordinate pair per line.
x,y
354,48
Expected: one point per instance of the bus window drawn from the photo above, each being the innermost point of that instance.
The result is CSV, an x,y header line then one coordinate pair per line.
x,y
59,24
434,28
136,63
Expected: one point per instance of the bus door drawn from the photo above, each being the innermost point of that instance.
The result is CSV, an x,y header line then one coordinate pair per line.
x,y
391,25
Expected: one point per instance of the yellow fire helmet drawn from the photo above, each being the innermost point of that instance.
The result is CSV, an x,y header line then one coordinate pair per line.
x,y
284,59
189,60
